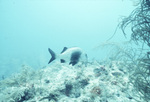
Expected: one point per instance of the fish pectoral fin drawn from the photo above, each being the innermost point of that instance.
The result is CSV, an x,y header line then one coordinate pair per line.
x,y
73,63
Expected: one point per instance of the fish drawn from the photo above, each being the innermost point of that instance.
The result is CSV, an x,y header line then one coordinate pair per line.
x,y
72,56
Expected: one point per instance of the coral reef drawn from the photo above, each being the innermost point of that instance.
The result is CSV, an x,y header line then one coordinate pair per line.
x,y
65,83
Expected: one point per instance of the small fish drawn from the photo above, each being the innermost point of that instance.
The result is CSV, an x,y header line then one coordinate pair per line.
x,y
69,55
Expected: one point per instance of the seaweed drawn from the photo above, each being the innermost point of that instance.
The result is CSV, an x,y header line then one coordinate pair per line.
x,y
121,51
138,61
141,79
139,20
137,64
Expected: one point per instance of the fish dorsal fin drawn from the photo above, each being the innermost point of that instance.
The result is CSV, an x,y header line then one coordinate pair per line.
x,y
65,48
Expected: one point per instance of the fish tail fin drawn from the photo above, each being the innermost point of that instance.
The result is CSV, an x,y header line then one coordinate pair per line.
x,y
52,54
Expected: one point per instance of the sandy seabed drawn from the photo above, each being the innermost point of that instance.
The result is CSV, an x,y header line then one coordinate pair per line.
x,y
98,82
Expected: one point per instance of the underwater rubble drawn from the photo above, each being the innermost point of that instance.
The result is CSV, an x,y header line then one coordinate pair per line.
x,y
98,82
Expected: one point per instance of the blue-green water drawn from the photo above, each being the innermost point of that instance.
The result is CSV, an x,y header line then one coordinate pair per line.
x,y
29,27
